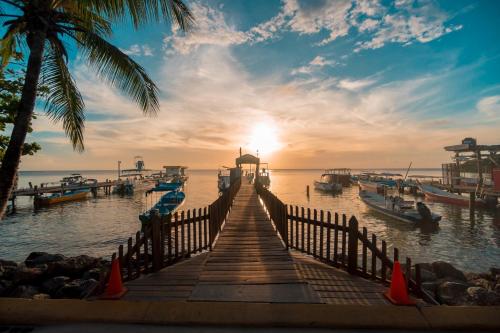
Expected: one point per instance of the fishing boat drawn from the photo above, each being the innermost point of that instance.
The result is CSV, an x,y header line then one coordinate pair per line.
x,y
65,196
134,179
168,204
223,180
397,208
176,173
264,177
435,194
165,186
73,179
328,183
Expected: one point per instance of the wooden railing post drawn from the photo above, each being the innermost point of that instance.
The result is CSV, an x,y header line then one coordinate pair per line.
x,y
156,241
352,254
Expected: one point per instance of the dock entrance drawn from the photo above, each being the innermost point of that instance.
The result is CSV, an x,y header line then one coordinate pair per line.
x,y
249,262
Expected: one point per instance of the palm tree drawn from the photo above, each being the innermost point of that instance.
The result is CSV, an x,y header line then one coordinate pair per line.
x,y
46,27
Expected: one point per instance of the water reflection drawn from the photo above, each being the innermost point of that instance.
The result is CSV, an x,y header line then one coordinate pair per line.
x,y
471,241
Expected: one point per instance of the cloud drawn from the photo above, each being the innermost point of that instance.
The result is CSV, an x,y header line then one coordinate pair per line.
x,y
139,50
211,29
355,84
377,23
313,65
489,106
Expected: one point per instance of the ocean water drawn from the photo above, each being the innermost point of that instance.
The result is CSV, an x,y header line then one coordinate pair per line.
x,y
97,226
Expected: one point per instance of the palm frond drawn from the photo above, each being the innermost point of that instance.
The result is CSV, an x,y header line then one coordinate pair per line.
x,y
145,11
120,70
64,102
8,45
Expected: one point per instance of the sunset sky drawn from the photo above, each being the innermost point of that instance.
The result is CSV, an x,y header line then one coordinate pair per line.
x,y
311,84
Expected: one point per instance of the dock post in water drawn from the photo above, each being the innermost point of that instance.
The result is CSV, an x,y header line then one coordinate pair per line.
x,y
472,201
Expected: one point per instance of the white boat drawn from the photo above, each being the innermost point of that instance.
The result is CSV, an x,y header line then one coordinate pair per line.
x,y
223,180
135,179
397,208
264,177
436,194
176,173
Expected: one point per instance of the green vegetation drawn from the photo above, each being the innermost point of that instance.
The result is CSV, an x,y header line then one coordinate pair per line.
x,y
11,84
45,27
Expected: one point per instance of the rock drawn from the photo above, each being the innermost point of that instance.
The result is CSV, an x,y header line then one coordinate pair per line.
x,y
38,258
472,276
5,288
77,288
495,271
481,283
482,296
430,286
425,275
452,293
94,273
41,296
52,285
24,291
497,288
26,275
443,269
72,267
7,272
8,263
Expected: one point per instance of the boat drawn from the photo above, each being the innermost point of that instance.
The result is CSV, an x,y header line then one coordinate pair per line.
x,y
327,183
435,194
264,177
135,179
175,173
372,186
168,204
223,180
397,208
65,196
165,186
73,179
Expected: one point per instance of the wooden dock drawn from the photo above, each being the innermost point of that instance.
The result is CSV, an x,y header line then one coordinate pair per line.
x,y
249,262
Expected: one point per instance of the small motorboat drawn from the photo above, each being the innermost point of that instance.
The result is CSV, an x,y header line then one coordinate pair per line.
x,y
223,180
327,184
168,204
396,207
167,186
435,194
65,196
264,177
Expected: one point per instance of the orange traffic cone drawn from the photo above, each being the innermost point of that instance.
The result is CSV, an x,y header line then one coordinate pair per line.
x,y
115,288
398,294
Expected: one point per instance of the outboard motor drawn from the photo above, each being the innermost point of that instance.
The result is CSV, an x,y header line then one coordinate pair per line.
x,y
424,212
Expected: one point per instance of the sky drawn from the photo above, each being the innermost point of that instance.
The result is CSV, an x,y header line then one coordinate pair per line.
x,y
307,83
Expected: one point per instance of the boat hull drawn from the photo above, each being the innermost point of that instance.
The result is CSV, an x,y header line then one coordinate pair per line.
x,y
368,199
371,186
437,195
63,198
327,187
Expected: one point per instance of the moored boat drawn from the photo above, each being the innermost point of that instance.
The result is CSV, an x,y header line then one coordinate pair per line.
x,y
167,186
169,203
371,186
55,198
399,209
435,194
223,180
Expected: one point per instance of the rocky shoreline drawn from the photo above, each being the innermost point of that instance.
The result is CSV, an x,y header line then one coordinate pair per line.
x,y
43,275
450,286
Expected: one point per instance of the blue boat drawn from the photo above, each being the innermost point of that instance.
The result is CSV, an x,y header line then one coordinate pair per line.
x,y
164,186
168,204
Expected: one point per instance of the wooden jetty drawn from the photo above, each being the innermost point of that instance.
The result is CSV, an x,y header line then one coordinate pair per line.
x,y
241,250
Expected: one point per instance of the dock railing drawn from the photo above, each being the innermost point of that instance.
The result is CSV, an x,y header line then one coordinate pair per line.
x,y
338,241
168,239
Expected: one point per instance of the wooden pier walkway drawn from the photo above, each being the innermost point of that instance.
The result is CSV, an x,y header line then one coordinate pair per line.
x,y
249,263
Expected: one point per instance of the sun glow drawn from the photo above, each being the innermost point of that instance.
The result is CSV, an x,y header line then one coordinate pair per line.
x,y
264,138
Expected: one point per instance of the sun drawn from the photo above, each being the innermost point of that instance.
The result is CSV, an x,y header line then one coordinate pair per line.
x,y
264,138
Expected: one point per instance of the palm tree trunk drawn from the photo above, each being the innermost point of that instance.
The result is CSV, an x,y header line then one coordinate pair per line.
x,y
10,162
